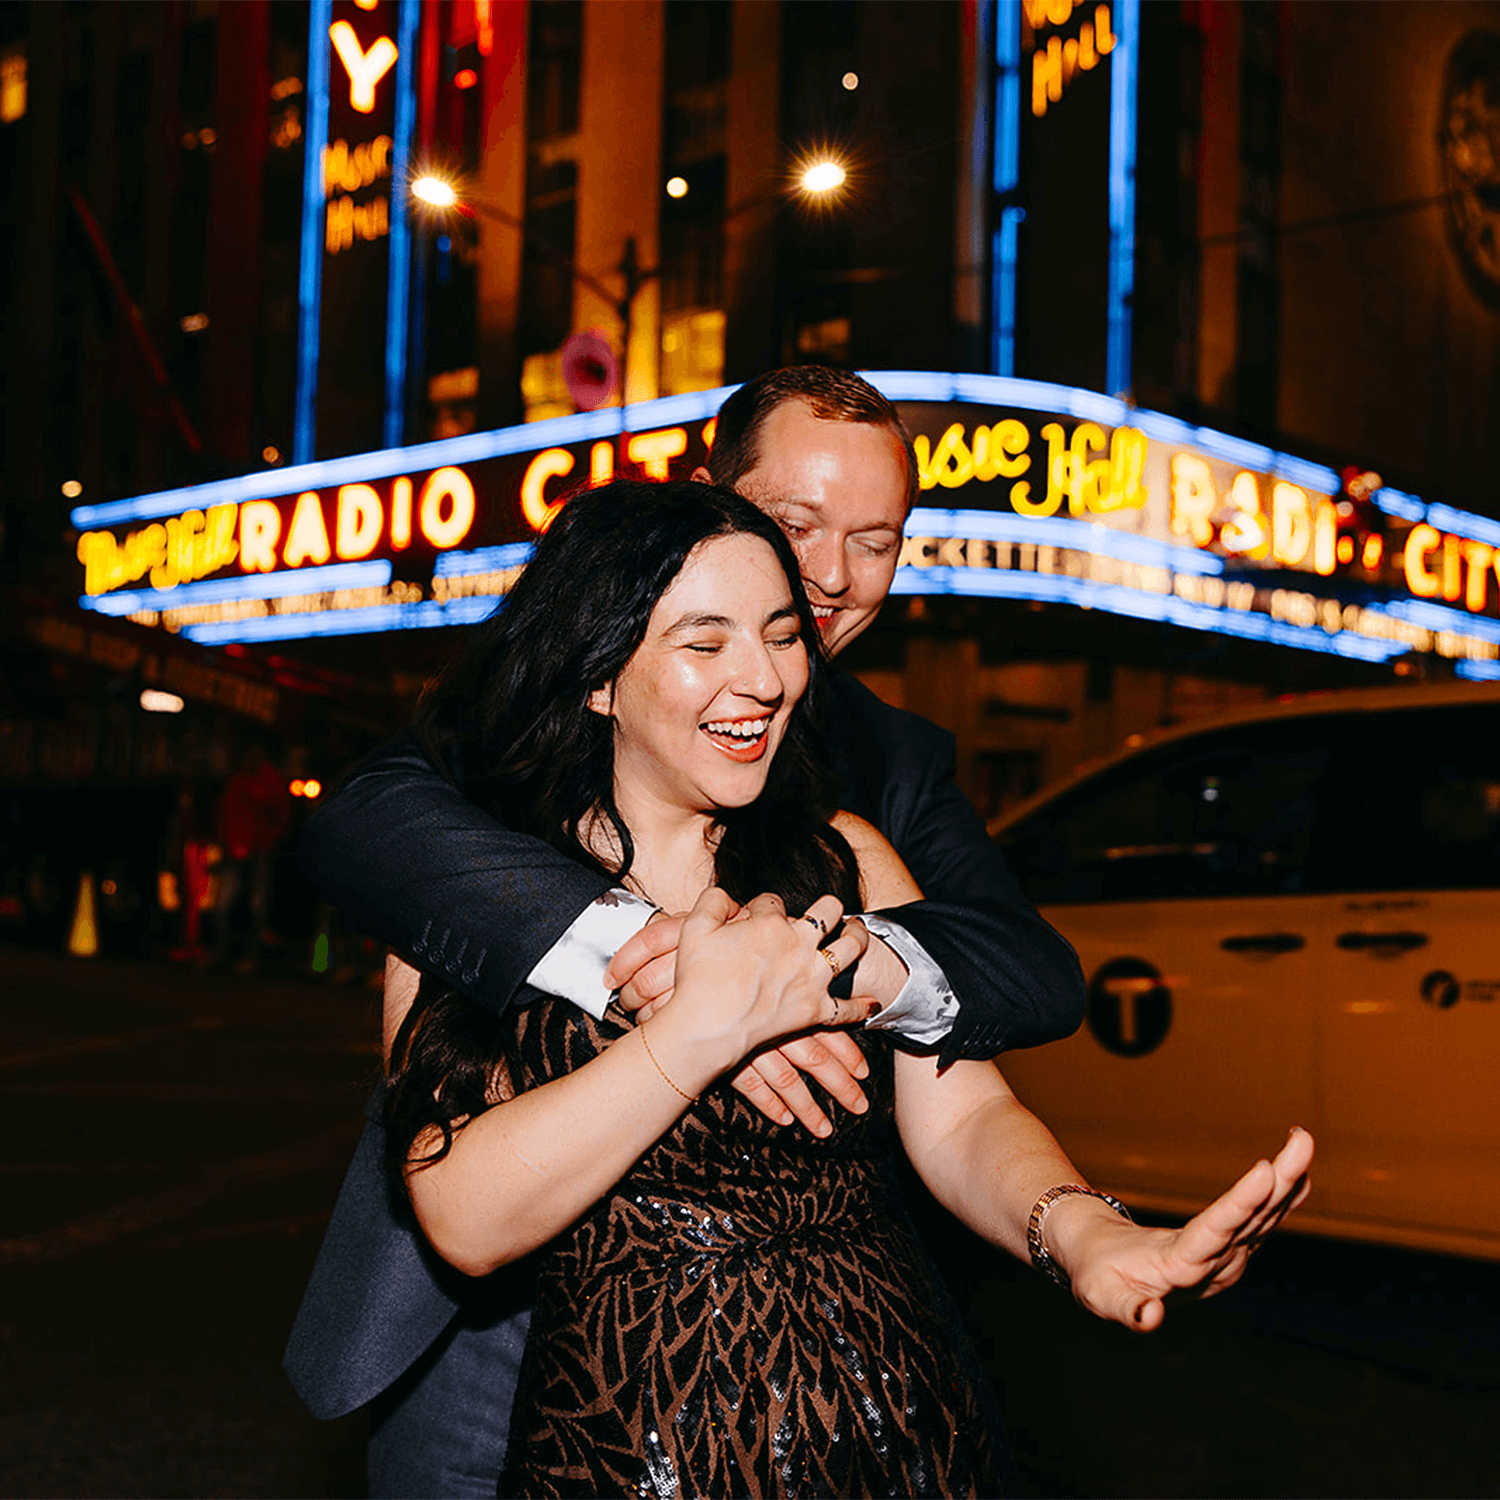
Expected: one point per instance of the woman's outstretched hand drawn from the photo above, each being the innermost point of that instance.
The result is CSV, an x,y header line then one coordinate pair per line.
x,y
1126,1272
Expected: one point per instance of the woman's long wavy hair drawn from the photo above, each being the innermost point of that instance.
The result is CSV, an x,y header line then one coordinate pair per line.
x,y
510,720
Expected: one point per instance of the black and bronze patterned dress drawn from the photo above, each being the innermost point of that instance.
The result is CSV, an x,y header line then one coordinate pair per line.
x,y
748,1313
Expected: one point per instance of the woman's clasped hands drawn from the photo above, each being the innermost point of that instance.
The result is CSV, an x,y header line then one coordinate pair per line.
x,y
775,1079
746,976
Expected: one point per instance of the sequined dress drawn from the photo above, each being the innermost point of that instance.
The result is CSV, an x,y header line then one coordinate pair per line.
x,y
748,1313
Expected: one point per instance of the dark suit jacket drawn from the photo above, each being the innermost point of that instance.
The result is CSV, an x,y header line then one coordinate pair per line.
x,y
422,868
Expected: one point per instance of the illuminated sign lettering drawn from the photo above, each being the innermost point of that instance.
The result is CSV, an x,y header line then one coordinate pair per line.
x,y
345,171
173,551
1087,483
1436,565
550,463
351,170
1295,530
360,121
652,452
364,69
261,538
1057,61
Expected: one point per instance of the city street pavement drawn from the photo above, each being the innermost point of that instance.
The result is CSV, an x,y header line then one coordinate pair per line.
x,y
173,1142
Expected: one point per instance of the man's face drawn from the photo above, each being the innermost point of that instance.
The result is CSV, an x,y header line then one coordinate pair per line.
x,y
838,491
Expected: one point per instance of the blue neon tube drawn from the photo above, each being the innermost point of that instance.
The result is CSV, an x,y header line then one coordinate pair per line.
x,y
310,265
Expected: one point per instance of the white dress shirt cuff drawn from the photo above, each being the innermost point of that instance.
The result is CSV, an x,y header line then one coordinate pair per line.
x,y
926,1008
573,967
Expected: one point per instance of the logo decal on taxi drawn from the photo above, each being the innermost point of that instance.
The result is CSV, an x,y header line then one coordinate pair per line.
x,y
1444,990
1130,1007
1440,988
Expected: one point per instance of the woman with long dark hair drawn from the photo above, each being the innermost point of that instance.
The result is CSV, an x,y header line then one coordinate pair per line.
x,y
724,1307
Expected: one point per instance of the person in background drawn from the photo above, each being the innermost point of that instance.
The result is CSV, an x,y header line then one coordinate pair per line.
x,y
253,815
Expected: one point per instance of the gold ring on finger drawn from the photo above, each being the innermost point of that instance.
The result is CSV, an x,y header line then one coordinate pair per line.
x,y
833,963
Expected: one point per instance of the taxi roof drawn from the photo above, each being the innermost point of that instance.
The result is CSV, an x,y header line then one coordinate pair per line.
x,y
1394,699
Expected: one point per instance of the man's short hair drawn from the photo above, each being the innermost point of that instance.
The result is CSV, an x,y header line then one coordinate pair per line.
x,y
831,395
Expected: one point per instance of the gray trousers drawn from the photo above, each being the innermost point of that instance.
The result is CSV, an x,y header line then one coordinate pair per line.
x,y
440,1431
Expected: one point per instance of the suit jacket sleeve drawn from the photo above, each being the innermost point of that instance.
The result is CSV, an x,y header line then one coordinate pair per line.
x,y
419,866
1017,978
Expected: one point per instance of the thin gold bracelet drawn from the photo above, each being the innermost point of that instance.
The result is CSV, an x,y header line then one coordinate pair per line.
x,y
691,1098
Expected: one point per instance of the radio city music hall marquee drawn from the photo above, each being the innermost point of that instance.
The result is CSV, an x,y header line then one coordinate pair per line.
x,y
1026,491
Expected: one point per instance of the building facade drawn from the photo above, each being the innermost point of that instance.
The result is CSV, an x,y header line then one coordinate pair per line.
x,y
1269,223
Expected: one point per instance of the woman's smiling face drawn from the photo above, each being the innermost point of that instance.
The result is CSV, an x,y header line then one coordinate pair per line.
x,y
701,707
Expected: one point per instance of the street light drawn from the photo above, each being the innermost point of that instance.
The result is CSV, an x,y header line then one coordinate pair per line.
x,y
435,192
819,178
822,176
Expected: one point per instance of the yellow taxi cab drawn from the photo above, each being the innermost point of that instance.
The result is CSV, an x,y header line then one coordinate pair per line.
x,y
1288,916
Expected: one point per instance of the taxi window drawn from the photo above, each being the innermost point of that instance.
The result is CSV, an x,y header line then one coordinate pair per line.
x,y
1230,813
1416,806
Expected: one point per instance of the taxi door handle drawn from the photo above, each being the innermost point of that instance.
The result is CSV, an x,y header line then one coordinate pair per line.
x,y
1388,942
1264,942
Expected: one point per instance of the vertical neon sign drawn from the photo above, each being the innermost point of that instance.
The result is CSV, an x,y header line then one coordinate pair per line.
x,y
1007,180
310,268
340,219
398,289
1122,136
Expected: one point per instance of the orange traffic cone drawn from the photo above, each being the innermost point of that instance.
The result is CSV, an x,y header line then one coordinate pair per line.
x,y
83,935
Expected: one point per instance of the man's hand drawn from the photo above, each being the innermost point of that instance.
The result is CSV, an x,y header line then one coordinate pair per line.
x,y
645,968
881,972
772,1083
401,985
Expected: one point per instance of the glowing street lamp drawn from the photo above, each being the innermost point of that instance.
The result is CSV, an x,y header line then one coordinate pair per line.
x,y
435,192
822,176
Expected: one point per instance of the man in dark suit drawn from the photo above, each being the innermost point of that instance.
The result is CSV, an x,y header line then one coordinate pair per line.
x,y
971,970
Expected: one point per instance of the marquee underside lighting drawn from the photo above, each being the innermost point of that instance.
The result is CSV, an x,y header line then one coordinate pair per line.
x,y
428,614
1478,671
254,586
1060,531
483,560
1140,605
1440,617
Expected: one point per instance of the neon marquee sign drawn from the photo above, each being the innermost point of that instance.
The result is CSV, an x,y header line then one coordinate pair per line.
x,y
389,535
1027,491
